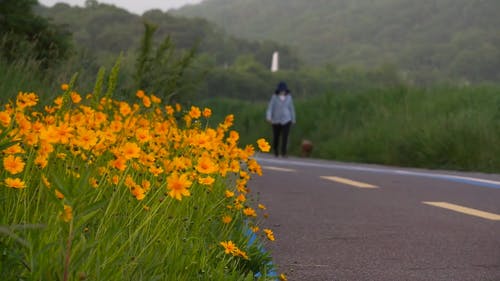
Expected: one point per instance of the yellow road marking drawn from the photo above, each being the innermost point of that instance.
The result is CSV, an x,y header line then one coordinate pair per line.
x,y
278,169
465,210
350,182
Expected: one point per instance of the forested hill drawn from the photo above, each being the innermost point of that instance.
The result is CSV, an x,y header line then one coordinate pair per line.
x,y
106,30
457,38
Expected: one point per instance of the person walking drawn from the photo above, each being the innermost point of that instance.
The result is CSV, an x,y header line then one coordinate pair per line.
x,y
281,114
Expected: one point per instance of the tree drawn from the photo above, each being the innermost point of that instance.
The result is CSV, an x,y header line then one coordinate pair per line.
x,y
23,32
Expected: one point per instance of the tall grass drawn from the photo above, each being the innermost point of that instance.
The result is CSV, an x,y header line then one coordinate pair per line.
x,y
441,127
100,189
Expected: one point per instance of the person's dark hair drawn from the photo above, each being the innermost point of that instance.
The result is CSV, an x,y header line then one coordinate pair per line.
x,y
282,87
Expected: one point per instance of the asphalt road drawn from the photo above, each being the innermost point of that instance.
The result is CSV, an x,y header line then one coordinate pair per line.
x,y
346,222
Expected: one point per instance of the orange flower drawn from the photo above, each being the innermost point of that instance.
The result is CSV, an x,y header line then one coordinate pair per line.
x,y
249,212
206,165
13,164
227,219
229,247
59,194
15,183
263,145
26,100
206,181
142,135
207,112
138,192
195,112
178,186
5,118
155,99
67,214
64,87
269,233
125,109
131,150
146,101
140,94
120,163
86,138
14,149
75,97
229,194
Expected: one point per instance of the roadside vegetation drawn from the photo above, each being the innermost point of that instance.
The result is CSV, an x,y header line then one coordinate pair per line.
x,y
442,127
141,174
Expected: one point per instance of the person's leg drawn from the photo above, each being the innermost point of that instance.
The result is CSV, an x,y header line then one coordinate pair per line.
x,y
276,138
285,132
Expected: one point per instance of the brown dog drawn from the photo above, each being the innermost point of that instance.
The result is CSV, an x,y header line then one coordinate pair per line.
x,y
306,148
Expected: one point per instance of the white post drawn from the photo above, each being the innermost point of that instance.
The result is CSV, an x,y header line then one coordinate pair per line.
x,y
274,63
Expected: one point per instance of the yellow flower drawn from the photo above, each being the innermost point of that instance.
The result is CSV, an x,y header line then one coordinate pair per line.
x,y
138,192
26,100
59,194
67,214
5,118
227,219
119,163
263,145
240,253
75,97
46,181
86,138
15,183
146,101
131,150
206,180
269,233
64,87
249,212
140,94
93,182
195,112
262,207
178,186
155,99
13,164
14,149
283,277
229,247
229,194
207,112
206,165
125,109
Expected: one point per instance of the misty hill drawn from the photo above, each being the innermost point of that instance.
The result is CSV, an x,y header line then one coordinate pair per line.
x,y
449,38
106,30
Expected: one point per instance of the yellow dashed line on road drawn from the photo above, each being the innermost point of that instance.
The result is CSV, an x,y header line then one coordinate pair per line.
x,y
465,210
278,169
350,182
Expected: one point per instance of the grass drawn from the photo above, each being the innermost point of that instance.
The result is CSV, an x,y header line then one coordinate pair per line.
x,y
443,127
100,189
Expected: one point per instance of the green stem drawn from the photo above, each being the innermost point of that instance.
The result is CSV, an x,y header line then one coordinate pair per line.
x,y
68,252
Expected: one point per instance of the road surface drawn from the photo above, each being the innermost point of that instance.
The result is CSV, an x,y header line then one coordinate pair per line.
x,y
347,222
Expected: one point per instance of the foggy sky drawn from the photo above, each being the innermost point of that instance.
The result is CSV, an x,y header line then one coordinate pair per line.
x,y
134,6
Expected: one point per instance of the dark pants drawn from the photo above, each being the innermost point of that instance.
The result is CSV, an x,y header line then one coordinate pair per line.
x,y
280,132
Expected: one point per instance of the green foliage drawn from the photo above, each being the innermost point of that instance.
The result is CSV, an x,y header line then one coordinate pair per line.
x,y
24,32
427,40
440,127
106,31
161,71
